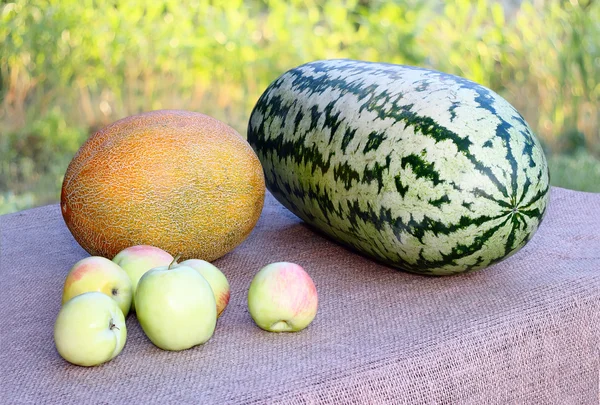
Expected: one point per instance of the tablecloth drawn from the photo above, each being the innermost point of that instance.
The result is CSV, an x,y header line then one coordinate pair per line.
x,y
524,331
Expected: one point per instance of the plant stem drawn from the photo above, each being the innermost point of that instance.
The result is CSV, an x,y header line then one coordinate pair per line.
x,y
174,262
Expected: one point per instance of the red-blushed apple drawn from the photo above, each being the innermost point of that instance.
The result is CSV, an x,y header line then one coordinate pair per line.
x,y
215,277
95,273
90,329
136,260
282,298
175,307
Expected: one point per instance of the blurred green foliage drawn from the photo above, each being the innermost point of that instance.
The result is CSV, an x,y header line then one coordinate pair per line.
x,y
69,67
579,171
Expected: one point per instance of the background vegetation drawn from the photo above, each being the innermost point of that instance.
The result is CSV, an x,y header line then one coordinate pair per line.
x,y
69,67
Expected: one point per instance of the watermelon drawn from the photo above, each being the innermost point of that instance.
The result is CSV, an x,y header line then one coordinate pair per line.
x,y
421,170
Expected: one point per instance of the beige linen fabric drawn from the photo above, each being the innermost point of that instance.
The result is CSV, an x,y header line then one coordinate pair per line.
x,y
525,331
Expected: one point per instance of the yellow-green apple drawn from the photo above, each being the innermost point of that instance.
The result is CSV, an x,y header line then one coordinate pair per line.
x,y
282,298
175,307
215,277
136,260
90,329
95,273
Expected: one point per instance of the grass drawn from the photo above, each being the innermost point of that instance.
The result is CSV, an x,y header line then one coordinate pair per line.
x,y
579,171
70,67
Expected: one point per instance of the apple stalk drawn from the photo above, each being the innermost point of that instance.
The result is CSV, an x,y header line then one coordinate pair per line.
x,y
174,262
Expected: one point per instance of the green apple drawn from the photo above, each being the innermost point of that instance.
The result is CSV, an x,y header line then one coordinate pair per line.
x,y
97,273
136,260
282,298
217,280
176,307
90,329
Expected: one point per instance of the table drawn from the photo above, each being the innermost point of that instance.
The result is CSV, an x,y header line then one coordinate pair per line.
x,y
524,331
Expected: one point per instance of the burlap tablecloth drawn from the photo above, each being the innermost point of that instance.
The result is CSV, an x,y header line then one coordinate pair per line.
x,y
525,331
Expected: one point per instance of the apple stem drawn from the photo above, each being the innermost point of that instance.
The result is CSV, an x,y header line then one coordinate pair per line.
x,y
113,326
174,262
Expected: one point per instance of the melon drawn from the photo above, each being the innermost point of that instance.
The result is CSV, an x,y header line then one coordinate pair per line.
x,y
419,169
178,180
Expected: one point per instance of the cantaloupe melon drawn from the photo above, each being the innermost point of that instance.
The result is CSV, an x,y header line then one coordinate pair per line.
x,y
178,180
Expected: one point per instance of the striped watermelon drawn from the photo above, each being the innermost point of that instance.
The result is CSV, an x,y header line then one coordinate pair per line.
x,y
424,171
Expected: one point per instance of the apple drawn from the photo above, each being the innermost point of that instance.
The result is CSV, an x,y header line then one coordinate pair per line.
x,y
217,280
97,273
175,307
136,260
282,298
90,329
